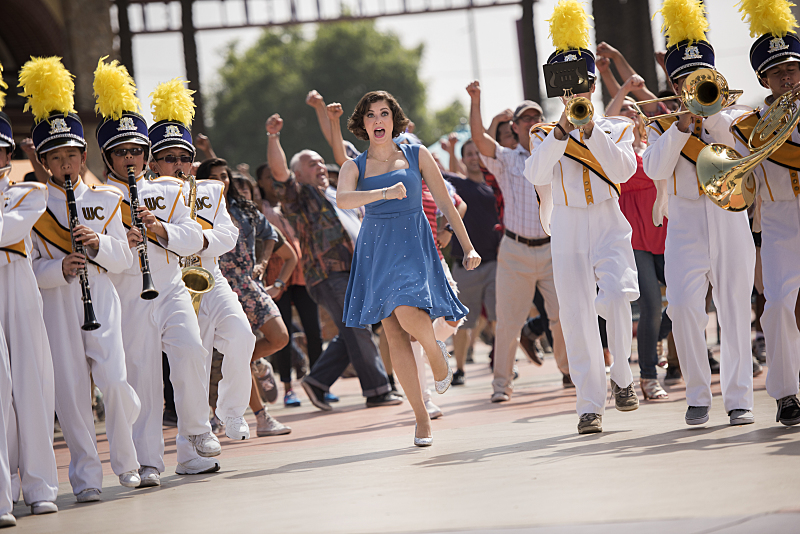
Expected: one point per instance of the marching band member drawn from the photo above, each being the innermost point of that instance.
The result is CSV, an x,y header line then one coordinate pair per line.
x,y
7,518
58,140
591,239
775,57
30,426
223,323
705,244
168,321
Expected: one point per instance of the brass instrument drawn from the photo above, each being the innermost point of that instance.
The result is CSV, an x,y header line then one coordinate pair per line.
x,y
197,280
89,319
579,109
149,291
705,92
727,177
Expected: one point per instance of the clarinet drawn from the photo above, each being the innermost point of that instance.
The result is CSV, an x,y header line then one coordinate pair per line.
x,y
89,320
149,291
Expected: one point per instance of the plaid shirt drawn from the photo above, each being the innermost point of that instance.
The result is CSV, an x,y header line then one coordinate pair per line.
x,y
325,245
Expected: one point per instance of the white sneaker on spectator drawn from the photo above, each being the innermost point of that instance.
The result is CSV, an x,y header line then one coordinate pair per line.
x,y
197,466
130,479
433,411
237,428
206,444
150,477
43,507
89,495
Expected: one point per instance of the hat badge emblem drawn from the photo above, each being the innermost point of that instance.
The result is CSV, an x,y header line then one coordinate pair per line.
x,y
59,126
126,124
692,52
570,57
776,45
172,131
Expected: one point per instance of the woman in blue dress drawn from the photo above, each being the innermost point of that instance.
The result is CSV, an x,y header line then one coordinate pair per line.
x,y
396,277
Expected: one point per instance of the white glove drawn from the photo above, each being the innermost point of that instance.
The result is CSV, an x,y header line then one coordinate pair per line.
x,y
661,205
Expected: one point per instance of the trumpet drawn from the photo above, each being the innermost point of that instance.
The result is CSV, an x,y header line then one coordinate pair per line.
x,y
89,319
726,177
579,111
705,93
149,291
198,280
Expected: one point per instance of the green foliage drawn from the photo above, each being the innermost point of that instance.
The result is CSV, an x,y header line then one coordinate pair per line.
x,y
454,117
342,61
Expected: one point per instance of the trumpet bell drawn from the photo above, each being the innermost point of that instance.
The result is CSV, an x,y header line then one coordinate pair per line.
x,y
199,282
728,182
579,111
705,92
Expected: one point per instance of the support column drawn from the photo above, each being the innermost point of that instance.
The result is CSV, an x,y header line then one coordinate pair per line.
x,y
192,67
125,36
529,61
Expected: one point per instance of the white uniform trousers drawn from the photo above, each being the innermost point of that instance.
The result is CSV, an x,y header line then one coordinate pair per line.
x,y
76,353
30,429
591,248
6,503
520,270
707,244
224,325
780,260
167,323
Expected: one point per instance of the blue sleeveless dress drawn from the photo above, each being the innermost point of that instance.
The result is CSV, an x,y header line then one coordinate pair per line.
x,y
395,261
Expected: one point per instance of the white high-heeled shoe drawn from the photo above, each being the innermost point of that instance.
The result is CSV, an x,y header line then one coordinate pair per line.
x,y
422,442
443,385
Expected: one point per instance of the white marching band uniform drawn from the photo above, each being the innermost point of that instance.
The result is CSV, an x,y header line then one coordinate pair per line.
x,y
705,244
77,353
6,503
223,323
167,323
591,248
779,189
30,427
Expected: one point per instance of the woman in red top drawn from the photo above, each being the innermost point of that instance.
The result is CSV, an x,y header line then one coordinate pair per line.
x,y
636,202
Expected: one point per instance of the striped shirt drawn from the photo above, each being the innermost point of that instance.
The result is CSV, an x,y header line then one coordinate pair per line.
x,y
521,213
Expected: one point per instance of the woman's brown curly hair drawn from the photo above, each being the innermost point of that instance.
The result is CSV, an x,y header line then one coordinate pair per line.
x,y
356,121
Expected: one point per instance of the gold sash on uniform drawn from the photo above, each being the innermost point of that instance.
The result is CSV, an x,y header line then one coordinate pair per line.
x,y
580,153
49,229
788,155
16,248
693,146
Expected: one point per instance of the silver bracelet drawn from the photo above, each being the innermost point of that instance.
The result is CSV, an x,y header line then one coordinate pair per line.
x,y
384,193
277,134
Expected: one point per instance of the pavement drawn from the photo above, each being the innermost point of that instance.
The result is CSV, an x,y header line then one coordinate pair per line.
x,y
515,467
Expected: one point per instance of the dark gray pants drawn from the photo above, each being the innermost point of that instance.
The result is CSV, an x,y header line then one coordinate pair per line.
x,y
653,323
352,345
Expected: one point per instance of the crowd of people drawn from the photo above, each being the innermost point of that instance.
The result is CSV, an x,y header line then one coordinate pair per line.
x,y
560,226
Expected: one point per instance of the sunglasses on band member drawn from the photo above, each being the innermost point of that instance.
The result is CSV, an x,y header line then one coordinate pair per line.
x,y
175,159
122,152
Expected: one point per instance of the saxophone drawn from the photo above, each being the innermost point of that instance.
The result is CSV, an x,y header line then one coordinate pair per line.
x,y
197,280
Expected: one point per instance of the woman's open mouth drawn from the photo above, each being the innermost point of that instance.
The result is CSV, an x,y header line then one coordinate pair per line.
x,y
379,133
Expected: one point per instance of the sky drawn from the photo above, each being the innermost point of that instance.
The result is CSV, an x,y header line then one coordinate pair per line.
x,y
447,63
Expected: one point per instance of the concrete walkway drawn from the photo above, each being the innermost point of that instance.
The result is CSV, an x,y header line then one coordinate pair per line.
x,y
514,467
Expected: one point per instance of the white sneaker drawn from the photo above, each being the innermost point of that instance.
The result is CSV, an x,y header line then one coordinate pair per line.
x,y
741,417
197,466
237,428
8,520
433,411
43,507
130,479
149,476
205,444
89,495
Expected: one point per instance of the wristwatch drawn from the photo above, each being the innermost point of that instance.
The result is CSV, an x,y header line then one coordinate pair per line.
x,y
279,284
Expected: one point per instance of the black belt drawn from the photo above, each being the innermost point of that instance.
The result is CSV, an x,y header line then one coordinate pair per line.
x,y
526,241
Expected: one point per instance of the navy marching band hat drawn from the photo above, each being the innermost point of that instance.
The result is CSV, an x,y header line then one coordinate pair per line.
x,y
574,55
686,57
769,51
58,130
6,134
169,134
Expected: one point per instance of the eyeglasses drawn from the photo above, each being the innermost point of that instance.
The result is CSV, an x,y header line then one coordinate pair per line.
x,y
122,152
175,159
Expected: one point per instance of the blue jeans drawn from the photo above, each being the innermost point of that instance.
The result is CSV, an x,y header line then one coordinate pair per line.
x,y
352,345
653,322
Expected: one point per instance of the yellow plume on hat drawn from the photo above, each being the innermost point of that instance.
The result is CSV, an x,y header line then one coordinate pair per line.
x,y
48,86
4,85
683,20
569,26
172,101
768,16
114,90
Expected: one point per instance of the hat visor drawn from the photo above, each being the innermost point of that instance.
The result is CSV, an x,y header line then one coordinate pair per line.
x,y
4,143
781,61
132,139
58,143
176,144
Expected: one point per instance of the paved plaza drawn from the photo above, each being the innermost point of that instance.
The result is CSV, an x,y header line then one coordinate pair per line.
x,y
517,467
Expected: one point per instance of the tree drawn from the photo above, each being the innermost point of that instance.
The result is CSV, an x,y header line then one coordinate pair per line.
x,y
342,61
444,121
